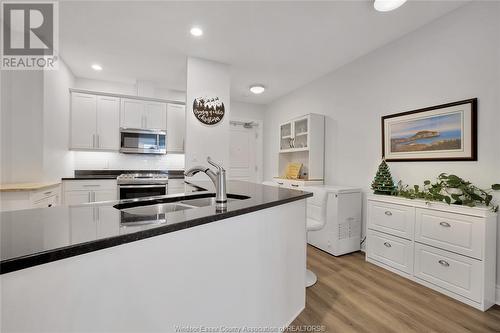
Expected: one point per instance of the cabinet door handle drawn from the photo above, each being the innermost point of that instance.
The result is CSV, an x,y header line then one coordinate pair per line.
x,y
93,140
47,193
280,183
445,224
98,141
443,263
91,185
294,185
387,244
89,200
388,213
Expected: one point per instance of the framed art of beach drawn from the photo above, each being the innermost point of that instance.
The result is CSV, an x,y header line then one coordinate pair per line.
x,y
445,132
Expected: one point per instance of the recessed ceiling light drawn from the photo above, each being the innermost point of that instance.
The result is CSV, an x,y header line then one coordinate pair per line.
x,y
257,89
387,5
196,31
96,67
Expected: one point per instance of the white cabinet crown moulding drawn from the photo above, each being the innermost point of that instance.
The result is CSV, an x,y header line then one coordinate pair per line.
x,y
100,93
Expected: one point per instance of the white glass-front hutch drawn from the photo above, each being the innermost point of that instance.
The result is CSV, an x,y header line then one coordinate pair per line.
x,y
302,140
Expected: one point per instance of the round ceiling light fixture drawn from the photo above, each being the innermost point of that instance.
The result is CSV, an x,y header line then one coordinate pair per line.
x,y
257,89
196,31
96,67
387,5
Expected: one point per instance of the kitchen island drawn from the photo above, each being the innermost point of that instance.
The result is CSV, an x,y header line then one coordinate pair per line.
x,y
94,267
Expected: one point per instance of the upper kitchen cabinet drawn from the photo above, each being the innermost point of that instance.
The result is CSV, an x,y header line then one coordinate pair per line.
x,y
132,113
141,114
94,122
156,115
176,128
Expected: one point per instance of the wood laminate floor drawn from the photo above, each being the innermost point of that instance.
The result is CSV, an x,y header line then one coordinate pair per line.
x,y
352,295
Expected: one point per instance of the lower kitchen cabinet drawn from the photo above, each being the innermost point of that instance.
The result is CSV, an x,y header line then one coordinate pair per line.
x,y
91,222
176,186
22,198
448,248
84,191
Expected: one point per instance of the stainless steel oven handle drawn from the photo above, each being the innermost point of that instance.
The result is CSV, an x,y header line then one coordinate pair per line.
x,y
142,186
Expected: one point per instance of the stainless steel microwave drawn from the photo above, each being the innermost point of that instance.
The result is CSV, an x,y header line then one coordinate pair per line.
x,y
142,141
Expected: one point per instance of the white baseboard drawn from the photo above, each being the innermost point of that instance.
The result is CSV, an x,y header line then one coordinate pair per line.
x,y
498,294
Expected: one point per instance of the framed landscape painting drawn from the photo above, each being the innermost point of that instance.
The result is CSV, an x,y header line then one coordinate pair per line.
x,y
445,132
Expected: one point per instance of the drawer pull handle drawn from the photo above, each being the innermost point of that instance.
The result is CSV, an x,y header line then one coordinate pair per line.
x,y
387,244
388,213
295,185
280,183
96,185
47,193
445,224
443,263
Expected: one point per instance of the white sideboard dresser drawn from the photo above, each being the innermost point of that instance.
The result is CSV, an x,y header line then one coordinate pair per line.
x,y
449,248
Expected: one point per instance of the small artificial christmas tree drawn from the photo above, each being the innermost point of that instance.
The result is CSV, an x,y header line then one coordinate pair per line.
x,y
383,183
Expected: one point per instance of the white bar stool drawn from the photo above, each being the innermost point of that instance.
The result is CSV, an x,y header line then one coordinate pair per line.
x,y
316,219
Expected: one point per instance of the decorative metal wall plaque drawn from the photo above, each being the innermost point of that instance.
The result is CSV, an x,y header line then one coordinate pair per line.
x,y
208,110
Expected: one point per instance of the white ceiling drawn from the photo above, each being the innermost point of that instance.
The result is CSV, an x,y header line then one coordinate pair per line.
x,y
282,45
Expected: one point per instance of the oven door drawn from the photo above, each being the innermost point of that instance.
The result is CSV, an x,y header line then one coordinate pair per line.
x,y
141,191
142,141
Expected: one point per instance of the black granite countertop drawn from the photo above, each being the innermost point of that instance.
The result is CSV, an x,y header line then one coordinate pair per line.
x,y
38,236
112,174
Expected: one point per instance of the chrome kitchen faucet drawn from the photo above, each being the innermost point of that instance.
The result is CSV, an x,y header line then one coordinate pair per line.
x,y
218,178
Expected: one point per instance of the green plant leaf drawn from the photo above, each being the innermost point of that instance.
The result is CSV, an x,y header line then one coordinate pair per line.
x,y
447,199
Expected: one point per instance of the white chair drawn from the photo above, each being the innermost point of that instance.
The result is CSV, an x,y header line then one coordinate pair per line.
x,y
316,219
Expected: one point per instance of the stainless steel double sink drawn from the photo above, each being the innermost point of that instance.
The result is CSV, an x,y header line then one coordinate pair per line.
x,y
153,210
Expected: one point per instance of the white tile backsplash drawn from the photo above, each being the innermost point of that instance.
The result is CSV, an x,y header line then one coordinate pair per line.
x,y
115,161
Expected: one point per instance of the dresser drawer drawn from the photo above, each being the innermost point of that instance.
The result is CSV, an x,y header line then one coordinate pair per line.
x,y
397,220
393,251
459,233
451,271
89,185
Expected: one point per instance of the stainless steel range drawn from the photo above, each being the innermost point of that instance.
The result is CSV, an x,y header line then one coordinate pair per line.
x,y
139,185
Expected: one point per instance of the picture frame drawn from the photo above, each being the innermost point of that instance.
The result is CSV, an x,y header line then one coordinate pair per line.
x,y
446,132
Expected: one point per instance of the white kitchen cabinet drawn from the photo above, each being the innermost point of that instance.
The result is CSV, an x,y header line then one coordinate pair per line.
x,y
94,122
132,113
142,114
156,115
108,119
176,128
449,248
176,186
82,224
28,196
76,197
83,120
85,191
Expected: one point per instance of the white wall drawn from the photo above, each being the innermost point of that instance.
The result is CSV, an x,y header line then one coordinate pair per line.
x,y
207,78
128,89
35,125
454,58
22,131
247,111
57,159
